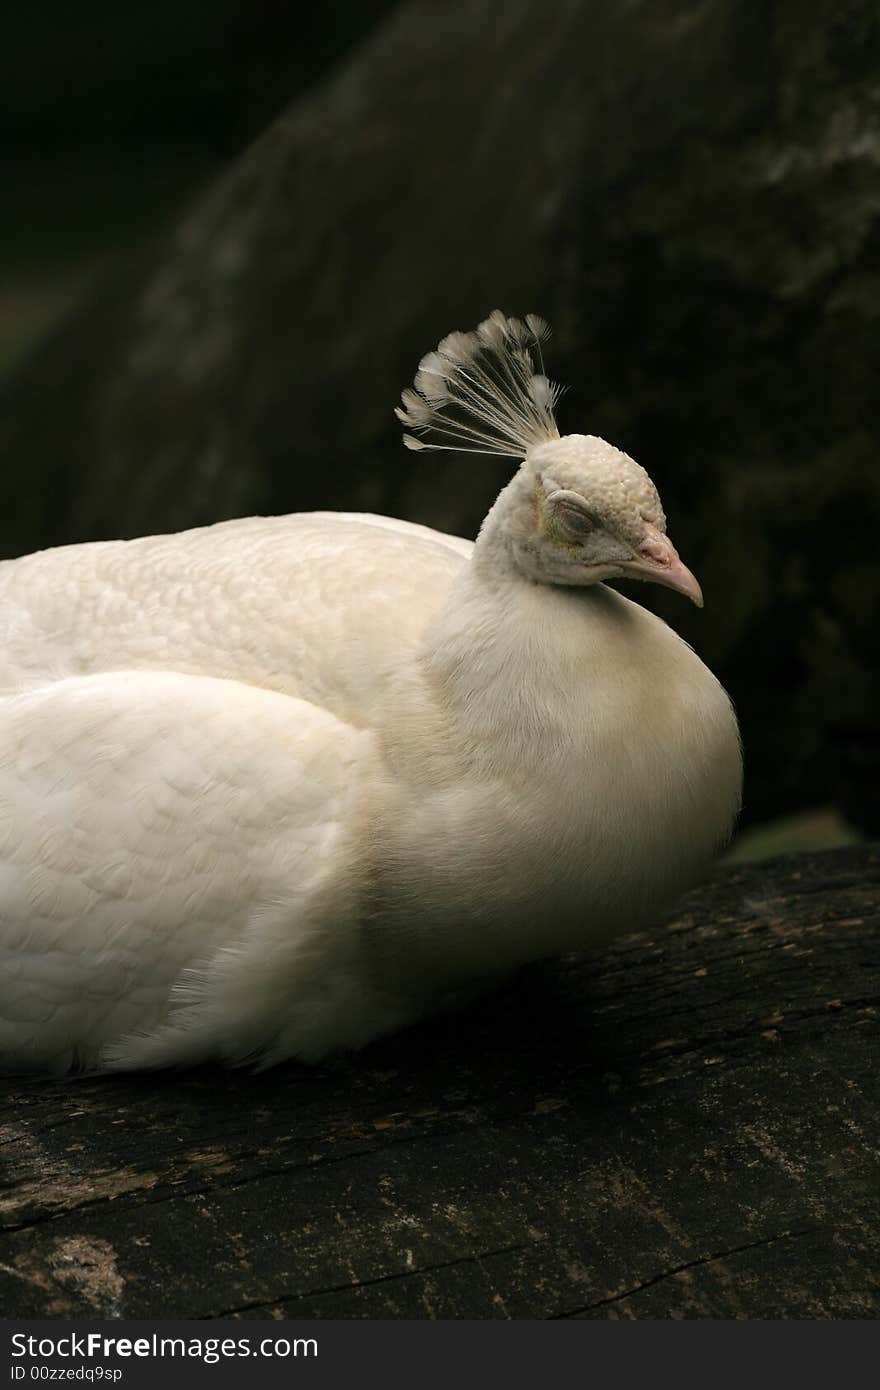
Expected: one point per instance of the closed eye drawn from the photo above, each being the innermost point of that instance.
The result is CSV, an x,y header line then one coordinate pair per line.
x,y
576,521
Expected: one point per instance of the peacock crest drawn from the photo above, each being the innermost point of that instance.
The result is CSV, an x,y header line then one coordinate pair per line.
x,y
483,392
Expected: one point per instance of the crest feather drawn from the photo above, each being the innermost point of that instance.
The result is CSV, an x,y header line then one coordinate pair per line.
x,y
483,392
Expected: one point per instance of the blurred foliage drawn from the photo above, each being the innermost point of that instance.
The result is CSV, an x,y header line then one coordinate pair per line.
x,y
823,828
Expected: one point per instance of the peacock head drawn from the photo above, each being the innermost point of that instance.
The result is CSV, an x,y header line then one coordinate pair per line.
x,y
596,515
578,511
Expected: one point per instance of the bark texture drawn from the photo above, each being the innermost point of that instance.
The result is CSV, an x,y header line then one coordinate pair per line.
x,y
683,1126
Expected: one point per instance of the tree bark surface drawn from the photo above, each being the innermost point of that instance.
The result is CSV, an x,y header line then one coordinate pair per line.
x,y
682,1126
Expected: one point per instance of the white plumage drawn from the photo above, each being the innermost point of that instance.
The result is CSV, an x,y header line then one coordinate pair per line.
x,y
274,787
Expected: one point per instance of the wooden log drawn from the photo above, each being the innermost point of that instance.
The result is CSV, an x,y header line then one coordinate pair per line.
x,y
684,1125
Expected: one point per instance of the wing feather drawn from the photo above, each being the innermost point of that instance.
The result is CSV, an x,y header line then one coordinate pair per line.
x,y
316,606
150,821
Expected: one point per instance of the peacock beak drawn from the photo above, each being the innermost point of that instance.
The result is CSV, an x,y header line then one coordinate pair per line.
x,y
657,561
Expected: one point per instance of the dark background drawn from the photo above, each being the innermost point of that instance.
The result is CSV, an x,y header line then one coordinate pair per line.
x,y
208,311
113,115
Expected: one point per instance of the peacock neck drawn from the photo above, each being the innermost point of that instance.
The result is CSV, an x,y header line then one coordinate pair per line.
x,y
509,660
494,561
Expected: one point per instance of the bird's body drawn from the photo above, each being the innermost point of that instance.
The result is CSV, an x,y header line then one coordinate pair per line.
x,y
274,787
